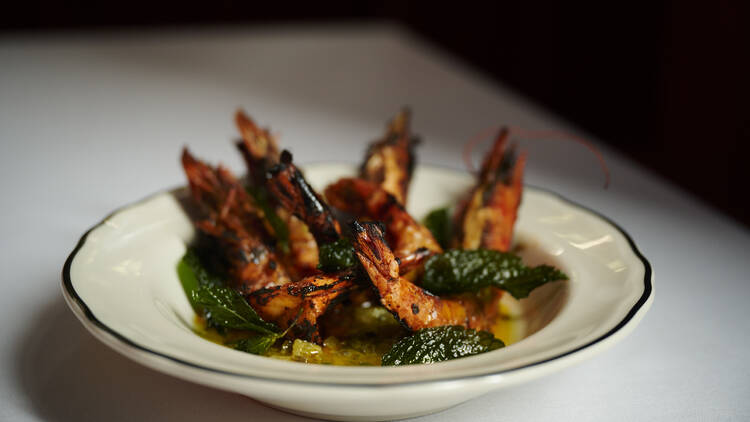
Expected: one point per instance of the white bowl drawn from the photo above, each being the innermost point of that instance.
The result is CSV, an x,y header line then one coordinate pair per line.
x,y
121,282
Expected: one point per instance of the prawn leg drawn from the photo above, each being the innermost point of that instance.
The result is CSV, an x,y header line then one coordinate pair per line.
x,y
260,152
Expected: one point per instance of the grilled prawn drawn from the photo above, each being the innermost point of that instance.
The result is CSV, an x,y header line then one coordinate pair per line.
x,y
260,151
302,303
413,306
232,220
484,220
317,292
486,217
229,217
389,161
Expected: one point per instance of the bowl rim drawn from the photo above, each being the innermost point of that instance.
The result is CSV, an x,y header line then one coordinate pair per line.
x,y
83,310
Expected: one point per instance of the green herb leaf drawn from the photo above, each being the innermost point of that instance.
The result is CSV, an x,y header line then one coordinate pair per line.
x,y
437,344
524,283
280,229
458,271
224,307
193,275
257,345
438,222
336,256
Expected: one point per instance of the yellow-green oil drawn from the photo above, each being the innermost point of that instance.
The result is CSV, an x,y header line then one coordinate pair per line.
x,y
360,335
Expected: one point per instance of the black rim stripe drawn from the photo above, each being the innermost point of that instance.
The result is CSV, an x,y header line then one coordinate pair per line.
x,y
647,290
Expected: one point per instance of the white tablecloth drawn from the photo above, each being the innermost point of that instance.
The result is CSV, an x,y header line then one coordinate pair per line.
x,y
93,121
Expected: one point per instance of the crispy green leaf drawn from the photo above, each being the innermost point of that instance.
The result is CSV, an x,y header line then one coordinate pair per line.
x,y
257,345
438,222
527,280
193,275
437,344
189,281
458,271
336,256
224,307
191,262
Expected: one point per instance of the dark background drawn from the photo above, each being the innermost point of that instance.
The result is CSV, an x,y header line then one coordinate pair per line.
x,y
664,82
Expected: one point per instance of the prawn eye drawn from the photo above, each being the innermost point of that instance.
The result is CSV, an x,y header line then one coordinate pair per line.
x,y
286,157
284,161
414,308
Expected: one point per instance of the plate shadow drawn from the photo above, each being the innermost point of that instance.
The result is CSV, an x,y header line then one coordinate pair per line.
x,y
68,375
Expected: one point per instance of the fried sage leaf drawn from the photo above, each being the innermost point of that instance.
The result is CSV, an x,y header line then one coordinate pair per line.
x,y
257,345
193,275
336,256
458,271
223,307
437,344
438,222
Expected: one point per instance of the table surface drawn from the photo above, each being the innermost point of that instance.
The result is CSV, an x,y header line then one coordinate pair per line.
x,y
90,122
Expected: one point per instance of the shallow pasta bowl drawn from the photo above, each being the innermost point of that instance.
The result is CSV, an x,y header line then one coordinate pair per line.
x,y
121,283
